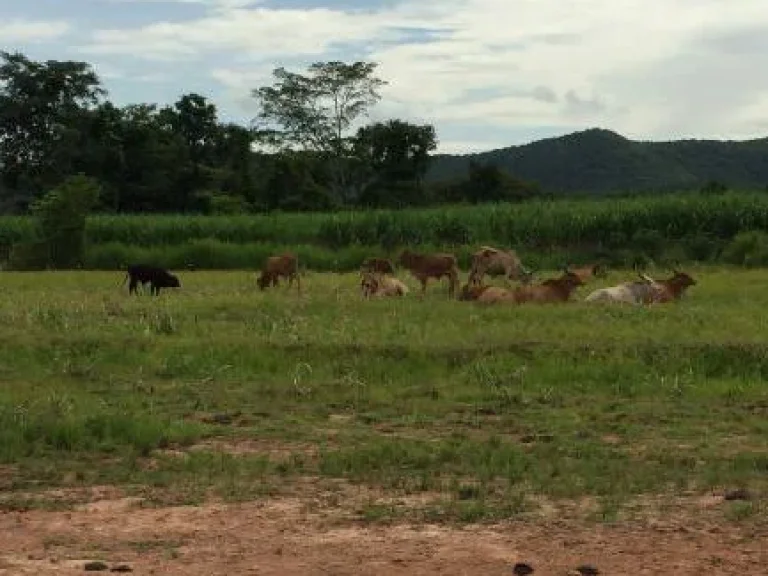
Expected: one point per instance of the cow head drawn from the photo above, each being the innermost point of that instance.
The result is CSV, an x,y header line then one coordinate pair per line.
x,y
173,281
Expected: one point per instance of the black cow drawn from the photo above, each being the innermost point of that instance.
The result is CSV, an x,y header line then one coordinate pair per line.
x,y
157,277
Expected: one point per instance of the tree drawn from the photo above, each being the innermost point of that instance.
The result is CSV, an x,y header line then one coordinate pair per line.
x,y
61,215
394,157
488,183
315,112
40,105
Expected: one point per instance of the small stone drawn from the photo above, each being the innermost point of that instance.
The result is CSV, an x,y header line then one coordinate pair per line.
x,y
121,568
738,494
587,570
95,566
522,569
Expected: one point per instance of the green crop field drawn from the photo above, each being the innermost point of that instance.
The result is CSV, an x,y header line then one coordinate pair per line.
x,y
483,409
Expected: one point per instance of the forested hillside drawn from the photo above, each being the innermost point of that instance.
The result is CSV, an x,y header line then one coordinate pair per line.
x,y
601,161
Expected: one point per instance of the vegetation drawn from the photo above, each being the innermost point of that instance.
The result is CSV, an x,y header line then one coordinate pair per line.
x,y
485,412
308,149
621,232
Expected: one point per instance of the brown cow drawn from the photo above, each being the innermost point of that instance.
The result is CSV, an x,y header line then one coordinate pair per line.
x,y
495,262
486,294
670,289
551,290
381,265
426,266
286,265
378,285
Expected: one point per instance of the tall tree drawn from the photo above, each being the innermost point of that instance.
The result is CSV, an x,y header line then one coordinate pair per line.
x,y
394,157
315,112
40,104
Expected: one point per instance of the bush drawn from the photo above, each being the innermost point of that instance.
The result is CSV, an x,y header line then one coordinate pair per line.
x,y
748,249
61,218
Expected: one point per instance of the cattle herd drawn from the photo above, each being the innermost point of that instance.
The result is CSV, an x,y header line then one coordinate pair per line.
x,y
378,279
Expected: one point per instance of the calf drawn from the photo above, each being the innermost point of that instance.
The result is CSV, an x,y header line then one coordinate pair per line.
x,y
157,277
286,265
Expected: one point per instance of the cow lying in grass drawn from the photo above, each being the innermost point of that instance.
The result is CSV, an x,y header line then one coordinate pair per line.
x,y
157,277
426,266
644,291
550,291
285,265
380,286
670,289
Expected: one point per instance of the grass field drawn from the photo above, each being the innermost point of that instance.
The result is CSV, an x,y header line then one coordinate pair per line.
x,y
401,410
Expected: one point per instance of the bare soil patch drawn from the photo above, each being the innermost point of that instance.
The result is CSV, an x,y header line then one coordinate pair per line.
x,y
311,534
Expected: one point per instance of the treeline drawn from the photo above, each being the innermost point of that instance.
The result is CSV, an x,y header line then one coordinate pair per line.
x,y
728,226
300,154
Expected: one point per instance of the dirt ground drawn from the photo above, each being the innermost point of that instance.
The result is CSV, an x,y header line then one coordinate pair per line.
x,y
285,536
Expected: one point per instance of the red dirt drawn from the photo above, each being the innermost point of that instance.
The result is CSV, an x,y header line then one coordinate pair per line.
x,y
282,537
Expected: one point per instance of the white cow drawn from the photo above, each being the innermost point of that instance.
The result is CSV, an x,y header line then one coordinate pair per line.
x,y
639,292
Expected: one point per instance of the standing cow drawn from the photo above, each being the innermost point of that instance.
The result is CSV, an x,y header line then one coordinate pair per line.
x,y
426,266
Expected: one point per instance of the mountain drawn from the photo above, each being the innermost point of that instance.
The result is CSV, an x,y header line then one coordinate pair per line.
x,y
602,161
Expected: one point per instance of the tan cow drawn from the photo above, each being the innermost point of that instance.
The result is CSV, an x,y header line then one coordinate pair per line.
x,y
486,294
286,265
426,266
549,291
381,286
495,262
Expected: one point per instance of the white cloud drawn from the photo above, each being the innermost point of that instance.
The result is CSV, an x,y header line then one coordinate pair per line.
x,y
27,31
646,68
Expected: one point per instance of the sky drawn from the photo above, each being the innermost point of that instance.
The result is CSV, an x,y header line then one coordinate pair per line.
x,y
486,73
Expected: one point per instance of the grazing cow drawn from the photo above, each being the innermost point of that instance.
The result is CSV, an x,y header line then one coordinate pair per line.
x,y
157,277
378,286
549,291
286,265
495,262
426,266
380,265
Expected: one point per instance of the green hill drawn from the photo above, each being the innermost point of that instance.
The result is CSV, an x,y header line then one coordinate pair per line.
x,y
601,161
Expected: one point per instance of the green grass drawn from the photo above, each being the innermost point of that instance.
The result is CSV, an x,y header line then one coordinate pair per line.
x,y
484,411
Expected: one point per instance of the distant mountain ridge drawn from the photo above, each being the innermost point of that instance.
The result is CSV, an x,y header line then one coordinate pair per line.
x,y
601,161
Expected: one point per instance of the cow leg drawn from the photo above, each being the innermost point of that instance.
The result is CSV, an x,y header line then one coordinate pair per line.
x,y
132,285
423,286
